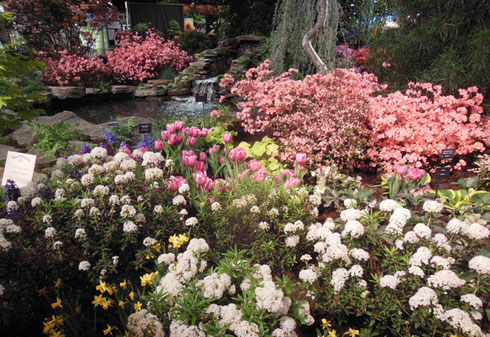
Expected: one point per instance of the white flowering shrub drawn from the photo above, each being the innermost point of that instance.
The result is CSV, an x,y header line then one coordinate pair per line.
x,y
404,271
235,297
262,216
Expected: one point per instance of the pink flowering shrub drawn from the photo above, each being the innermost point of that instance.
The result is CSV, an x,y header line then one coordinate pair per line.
x,y
138,58
324,116
412,128
74,70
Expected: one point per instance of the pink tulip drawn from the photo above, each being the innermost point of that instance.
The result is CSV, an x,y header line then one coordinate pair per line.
x,y
176,182
415,173
186,131
189,159
214,149
200,178
254,165
243,174
291,182
205,132
125,149
203,157
179,125
260,175
237,153
171,128
300,158
200,166
401,169
174,139
227,137
164,135
143,149
222,160
159,145
195,132
192,141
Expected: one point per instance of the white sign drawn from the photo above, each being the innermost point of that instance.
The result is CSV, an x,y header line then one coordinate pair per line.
x,y
19,167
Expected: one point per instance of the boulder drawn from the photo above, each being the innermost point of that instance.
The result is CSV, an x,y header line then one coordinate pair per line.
x,y
24,136
67,92
159,81
199,64
179,92
6,148
41,159
145,92
122,89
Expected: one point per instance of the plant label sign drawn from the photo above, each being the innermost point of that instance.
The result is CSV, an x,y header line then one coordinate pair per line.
x,y
201,98
447,154
442,172
145,128
114,123
19,167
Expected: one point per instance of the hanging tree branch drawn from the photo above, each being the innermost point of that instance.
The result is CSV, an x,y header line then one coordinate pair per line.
x,y
310,35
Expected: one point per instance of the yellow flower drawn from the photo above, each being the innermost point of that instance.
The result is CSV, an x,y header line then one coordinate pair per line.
x,y
131,295
454,335
56,334
332,333
122,303
325,324
148,278
98,300
108,330
42,291
103,287
149,256
58,283
353,332
123,284
106,304
48,326
57,303
78,309
137,306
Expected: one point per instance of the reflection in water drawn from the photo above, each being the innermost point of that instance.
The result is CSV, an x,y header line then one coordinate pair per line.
x,y
178,107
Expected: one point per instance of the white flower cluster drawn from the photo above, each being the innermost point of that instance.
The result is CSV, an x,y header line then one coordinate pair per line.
x,y
432,206
153,173
214,285
84,265
293,228
480,264
152,159
143,323
308,275
249,199
8,226
445,280
148,242
179,200
353,228
351,214
272,299
127,211
130,227
424,297
397,221
389,205
389,281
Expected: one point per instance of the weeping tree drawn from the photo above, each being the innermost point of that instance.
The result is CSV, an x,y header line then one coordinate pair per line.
x,y
304,35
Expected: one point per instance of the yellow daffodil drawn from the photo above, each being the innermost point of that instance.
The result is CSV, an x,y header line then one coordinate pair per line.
x,y
106,304
353,332
122,303
57,303
123,284
131,295
48,326
98,300
58,283
108,330
42,291
127,334
137,306
148,278
103,287
325,324
332,333
56,334
454,335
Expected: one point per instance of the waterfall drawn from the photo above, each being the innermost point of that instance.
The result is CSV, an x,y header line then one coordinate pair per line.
x,y
206,86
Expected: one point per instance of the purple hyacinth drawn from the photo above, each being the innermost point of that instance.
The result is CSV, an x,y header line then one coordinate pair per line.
x,y
86,148
111,137
147,143
105,147
124,144
11,190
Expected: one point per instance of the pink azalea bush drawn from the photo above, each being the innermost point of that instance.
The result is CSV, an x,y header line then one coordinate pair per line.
x,y
74,70
337,118
322,115
412,128
138,58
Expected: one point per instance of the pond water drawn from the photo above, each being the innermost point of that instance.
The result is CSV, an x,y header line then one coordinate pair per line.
x,y
102,112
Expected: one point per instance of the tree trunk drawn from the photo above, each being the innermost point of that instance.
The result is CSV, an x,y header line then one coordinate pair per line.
x,y
310,35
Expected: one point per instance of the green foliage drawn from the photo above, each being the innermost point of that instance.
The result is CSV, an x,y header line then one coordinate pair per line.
x,y
123,131
53,140
174,28
443,42
141,27
14,104
266,152
194,41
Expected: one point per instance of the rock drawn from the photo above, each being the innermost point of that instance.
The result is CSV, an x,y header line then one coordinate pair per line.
x,y
67,92
250,39
179,92
6,148
159,81
24,136
199,64
145,92
96,91
41,159
122,89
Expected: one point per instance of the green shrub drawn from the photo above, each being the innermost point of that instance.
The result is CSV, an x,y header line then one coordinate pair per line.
x,y
194,41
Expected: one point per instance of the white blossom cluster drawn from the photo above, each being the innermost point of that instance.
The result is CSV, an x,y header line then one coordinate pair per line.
x,y
152,159
143,323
